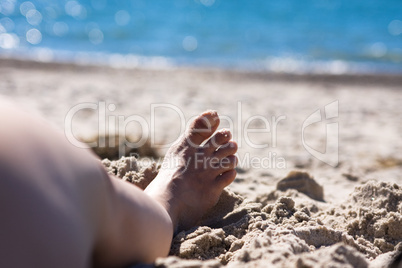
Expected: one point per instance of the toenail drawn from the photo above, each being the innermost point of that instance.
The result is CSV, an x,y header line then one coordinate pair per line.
x,y
225,131
211,112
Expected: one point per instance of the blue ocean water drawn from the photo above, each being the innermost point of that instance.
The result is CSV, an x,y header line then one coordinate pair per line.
x,y
318,36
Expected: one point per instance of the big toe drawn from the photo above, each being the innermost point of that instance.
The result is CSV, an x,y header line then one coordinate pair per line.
x,y
202,128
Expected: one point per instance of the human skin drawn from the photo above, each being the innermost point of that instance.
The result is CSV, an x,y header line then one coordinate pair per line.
x,y
59,207
194,175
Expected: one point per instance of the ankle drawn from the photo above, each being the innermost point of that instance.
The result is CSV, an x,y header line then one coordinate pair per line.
x,y
167,202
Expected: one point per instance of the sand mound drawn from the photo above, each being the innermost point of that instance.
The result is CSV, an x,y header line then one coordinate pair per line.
x,y
114,146
131,169
302,182
285,228
372,218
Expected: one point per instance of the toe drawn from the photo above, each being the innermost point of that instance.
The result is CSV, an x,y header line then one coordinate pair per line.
x,y
226,178
226,150
225,164
202,128
220,138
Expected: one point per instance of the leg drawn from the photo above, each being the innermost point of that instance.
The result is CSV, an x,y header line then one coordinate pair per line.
x,y
136,228
59,208
190,183
47,220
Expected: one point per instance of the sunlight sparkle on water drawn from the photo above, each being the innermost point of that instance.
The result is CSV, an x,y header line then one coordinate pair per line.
x,y
9,41
378,49
190,43
25,7
122,17
7,7
34,36
395,27
60,28
207,2
7,24
34,17
50,13
95,36
74,9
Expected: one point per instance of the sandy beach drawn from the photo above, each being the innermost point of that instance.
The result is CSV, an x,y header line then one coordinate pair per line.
x,y
319,181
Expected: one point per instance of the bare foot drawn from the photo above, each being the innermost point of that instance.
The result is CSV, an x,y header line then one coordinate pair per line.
x,y
193,176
